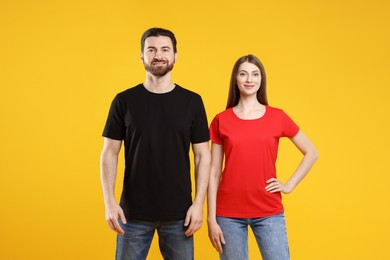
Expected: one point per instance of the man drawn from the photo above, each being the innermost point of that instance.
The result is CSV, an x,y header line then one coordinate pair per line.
x,y
157,121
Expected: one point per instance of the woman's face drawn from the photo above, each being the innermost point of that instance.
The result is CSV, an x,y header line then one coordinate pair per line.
x,y
248,78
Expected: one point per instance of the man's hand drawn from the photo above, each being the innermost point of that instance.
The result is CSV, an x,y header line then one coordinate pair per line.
x,y
113,212
194,219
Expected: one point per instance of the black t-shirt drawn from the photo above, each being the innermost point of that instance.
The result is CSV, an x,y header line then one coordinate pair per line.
x,y
157,130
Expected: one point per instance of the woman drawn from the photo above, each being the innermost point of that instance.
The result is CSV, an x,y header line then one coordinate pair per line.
x,y
247,192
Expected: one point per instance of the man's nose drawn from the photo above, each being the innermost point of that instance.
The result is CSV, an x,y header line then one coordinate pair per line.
x,y
157,55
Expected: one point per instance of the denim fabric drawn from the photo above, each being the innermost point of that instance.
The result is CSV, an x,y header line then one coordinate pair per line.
x,y
135,243
270,234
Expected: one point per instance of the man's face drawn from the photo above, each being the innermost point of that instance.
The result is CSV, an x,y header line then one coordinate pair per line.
x,y
158,56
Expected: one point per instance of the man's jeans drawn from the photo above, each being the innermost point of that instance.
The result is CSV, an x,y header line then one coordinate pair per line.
x,y
135,243
270,233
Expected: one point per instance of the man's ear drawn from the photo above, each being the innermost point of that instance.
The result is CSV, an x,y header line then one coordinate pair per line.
x,y
176,57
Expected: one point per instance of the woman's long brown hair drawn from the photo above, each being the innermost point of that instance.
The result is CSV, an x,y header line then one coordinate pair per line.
x,y
234,93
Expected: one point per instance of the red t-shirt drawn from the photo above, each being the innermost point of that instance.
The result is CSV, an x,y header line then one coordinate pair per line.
x,y
251,148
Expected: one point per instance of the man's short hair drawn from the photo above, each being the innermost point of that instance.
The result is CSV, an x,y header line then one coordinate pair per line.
x,y
158,32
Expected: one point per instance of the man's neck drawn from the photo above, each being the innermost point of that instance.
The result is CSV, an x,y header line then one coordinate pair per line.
x,y
162,84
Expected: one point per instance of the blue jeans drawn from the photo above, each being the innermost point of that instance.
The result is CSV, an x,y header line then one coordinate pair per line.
x,y
270,234
135,243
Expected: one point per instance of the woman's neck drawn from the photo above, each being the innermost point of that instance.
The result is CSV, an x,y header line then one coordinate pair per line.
x,y
248,104
249,108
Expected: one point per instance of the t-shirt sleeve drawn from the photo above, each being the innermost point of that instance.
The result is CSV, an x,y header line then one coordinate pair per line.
x,y
199,130
290,128
214,131
115,126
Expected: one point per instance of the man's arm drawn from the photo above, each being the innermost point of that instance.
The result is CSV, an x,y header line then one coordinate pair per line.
x,y
108,170
215,231
202,159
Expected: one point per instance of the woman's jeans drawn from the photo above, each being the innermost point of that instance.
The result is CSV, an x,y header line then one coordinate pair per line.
x,y
270,233
135,243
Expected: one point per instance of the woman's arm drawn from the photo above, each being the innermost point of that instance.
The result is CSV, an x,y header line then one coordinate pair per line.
x,y
309,158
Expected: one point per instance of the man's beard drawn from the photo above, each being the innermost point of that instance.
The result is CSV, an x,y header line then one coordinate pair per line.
x,y
158,70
